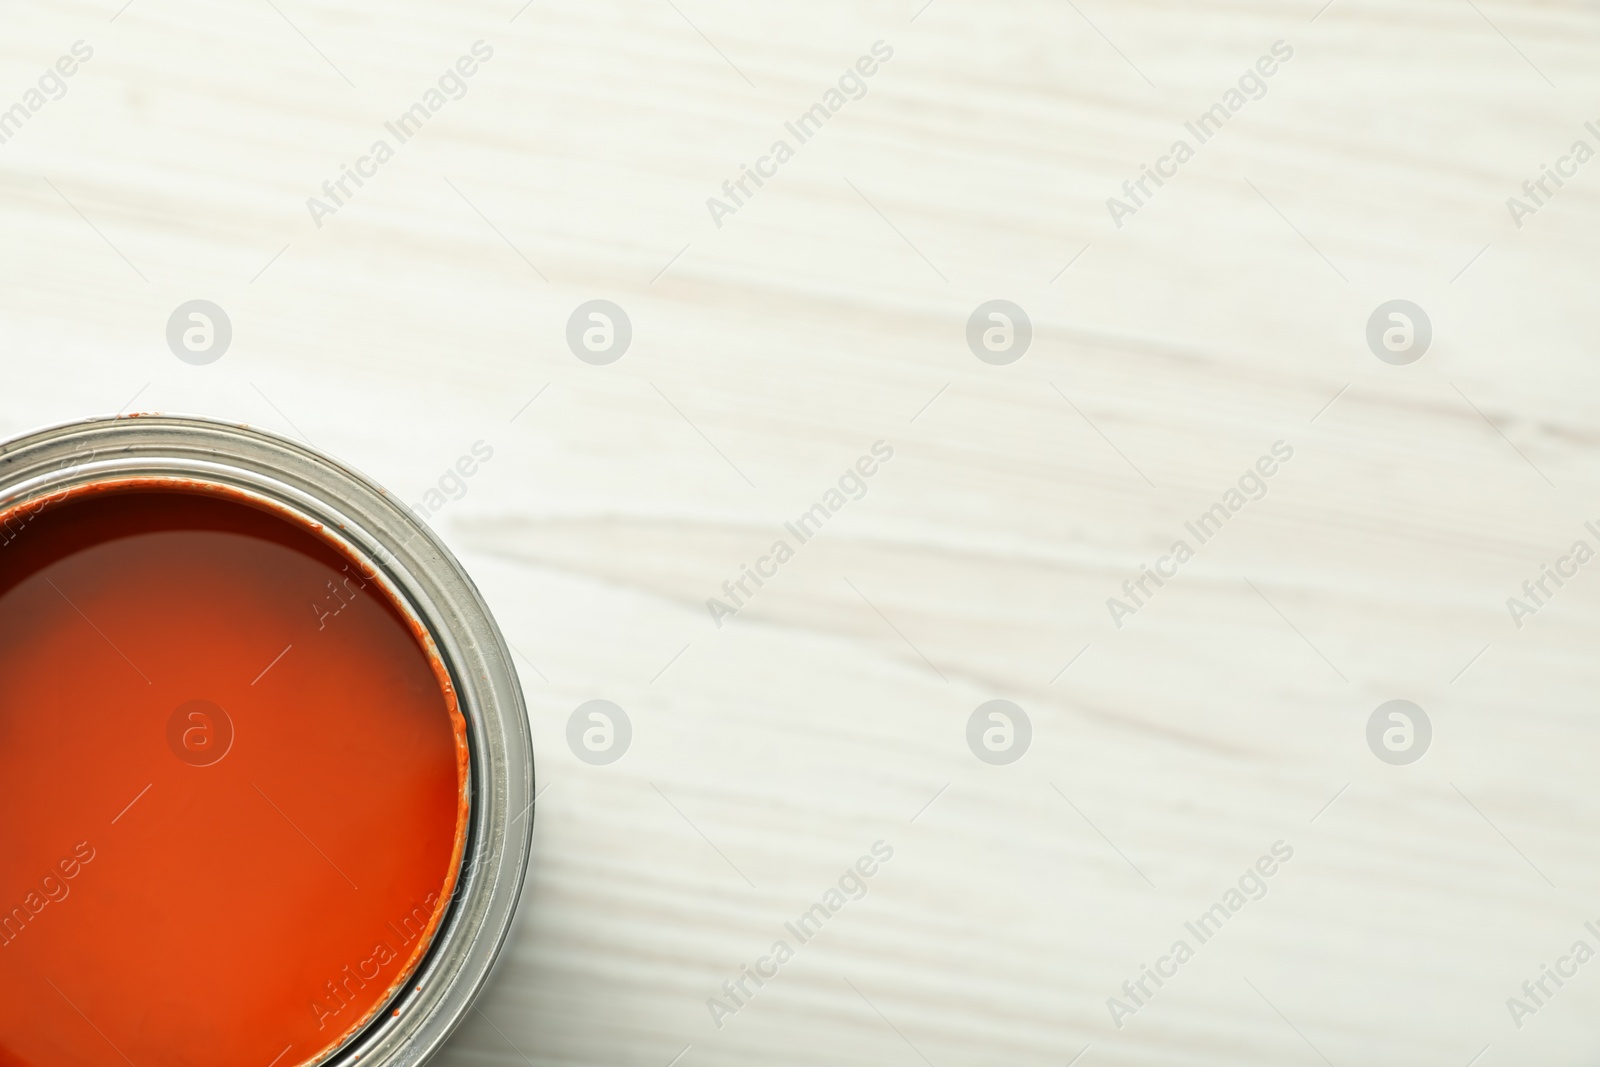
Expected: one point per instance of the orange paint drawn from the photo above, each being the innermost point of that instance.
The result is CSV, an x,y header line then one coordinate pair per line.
x,y
233,780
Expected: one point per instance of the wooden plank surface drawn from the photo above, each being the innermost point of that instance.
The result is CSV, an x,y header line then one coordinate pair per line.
x,y
827,313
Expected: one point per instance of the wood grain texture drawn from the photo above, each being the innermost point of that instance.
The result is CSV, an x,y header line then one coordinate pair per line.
x,y
825,315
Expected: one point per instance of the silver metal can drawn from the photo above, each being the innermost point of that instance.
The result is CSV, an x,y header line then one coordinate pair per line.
x,y
422,578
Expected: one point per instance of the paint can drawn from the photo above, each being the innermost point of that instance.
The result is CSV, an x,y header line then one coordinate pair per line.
x,y
186,484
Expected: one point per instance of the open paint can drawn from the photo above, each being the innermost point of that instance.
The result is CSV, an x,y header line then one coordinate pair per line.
x,y
265,768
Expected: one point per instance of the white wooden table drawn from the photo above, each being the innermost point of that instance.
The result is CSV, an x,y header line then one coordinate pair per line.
x,y
827,313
